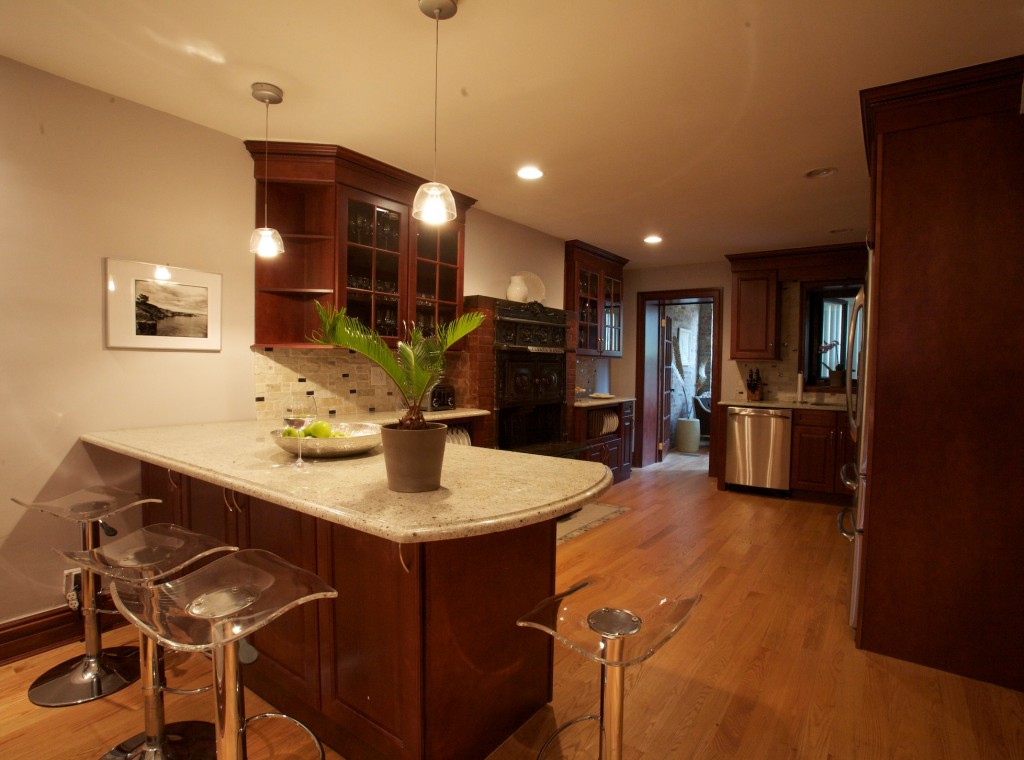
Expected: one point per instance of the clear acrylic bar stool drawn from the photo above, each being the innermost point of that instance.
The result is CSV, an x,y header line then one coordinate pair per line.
x,y
145,557
610,622
99,671
211,609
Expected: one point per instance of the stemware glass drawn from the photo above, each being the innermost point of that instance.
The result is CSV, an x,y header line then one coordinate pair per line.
x,y
298,415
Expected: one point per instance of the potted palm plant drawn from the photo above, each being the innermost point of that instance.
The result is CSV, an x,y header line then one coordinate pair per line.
x,y
413,447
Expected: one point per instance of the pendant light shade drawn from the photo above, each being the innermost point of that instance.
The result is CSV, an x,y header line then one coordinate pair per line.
x,y
434,202
265,241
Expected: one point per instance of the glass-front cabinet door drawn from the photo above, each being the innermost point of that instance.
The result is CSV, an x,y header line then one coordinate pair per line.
x,y
436,275
588,310
612,338
373,267
594,289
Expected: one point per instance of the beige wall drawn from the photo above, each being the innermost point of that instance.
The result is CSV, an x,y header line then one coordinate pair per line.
x,y
496,249
85,176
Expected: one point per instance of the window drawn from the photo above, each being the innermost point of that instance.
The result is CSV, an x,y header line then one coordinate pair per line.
x,y
827,309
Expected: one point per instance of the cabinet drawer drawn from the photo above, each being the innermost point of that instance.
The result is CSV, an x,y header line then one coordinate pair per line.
x,y
814,418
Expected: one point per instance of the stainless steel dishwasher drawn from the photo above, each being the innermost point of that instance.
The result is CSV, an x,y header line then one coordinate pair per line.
x,y
757,447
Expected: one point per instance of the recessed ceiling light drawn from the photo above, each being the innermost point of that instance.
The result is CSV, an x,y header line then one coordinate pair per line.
x,y
824,171
652,239
530,172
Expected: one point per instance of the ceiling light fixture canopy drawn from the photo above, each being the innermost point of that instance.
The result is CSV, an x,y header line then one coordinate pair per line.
x,y
434,202
265,241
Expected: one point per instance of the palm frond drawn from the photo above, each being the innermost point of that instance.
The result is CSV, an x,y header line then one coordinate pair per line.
x,y
416,365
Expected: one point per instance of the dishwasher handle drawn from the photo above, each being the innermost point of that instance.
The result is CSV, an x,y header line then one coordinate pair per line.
x,y
746,411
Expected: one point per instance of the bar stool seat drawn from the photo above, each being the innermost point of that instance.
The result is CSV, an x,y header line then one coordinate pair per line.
x,y
147,556
211,609
99,671
608,621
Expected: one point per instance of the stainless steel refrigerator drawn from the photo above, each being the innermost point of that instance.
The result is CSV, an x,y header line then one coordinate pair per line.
x,y
855,473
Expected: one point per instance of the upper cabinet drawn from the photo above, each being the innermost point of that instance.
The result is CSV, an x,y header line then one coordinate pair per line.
x,y
350,241
593,290
756,291
755,314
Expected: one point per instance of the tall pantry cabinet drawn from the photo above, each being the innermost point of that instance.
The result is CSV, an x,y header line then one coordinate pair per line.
x,y
944,522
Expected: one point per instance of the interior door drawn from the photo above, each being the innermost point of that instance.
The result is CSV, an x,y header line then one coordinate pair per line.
x,y
664,384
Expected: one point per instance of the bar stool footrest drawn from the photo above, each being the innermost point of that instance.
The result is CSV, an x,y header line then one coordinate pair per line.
x,y
557,732
290,719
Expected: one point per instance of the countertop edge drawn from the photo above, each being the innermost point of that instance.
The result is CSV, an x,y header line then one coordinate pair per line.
x,y
366,523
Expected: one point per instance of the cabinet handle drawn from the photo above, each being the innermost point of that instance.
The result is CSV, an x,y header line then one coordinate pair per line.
x,y
401,560
170,479
230,500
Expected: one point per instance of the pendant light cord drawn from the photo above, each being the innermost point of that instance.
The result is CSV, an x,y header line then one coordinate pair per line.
x,y
266,161
437,27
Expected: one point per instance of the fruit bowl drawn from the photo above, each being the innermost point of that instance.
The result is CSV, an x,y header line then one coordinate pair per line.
x,y
358,437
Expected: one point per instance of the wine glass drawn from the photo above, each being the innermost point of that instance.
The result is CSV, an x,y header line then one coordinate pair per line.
x,y
299,413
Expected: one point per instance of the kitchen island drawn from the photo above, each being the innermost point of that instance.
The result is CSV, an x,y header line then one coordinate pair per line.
x,y
419,656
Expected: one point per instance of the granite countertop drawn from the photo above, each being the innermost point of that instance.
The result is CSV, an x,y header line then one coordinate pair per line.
x,y
830,406
482,490
589,401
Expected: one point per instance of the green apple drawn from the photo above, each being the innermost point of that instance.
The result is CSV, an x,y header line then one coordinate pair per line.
x,y
289,433
319,429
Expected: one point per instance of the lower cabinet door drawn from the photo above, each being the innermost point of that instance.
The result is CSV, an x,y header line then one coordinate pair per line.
x,y
288,661
371,644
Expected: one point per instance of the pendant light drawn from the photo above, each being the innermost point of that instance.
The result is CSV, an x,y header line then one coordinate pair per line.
x,y
266,242
434,202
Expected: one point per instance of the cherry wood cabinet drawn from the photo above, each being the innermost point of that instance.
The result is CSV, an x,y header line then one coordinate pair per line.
x,y
593,291
350,241
611,445
821,446
755,315
419,656
942,517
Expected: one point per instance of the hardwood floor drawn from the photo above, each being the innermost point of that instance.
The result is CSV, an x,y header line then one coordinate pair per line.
x,y
765,667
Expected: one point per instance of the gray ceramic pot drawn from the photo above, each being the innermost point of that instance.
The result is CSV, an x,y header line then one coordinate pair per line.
x,y
413,458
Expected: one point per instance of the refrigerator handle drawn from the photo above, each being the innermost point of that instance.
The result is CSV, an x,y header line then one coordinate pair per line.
x,y
849,475
851,410
849,535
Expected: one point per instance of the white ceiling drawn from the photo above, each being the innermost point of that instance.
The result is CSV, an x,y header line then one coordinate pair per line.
x,y
696,119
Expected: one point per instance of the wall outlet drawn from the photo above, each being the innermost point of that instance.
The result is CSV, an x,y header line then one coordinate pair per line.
x,y
377,376
72,587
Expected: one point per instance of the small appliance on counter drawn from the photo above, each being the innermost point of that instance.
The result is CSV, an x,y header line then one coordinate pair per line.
x,y
442,397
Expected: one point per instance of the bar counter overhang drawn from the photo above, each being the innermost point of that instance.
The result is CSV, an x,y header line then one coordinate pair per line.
x,y
419,657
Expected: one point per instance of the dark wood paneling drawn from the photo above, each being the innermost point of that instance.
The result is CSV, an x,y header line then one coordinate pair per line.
x,y
943,528
485,676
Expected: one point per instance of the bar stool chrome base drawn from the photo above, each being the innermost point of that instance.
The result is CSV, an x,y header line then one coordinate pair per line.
x,y
187,740
614,637
211,610
99,672
85,678
144,558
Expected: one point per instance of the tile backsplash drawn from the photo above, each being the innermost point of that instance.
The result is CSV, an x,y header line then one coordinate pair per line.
x,y
342,381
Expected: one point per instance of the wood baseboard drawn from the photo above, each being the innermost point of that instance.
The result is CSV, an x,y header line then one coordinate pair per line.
x,y
47,630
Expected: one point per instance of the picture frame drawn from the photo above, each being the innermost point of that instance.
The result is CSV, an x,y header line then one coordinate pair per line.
x,y
159,307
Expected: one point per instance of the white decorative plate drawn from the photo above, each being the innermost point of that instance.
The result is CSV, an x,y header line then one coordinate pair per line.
x,y
534,286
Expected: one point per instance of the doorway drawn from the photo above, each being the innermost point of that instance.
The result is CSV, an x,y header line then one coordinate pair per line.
x,y
679,338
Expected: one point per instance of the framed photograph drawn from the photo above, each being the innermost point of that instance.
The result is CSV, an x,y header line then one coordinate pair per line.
x,y
154,306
